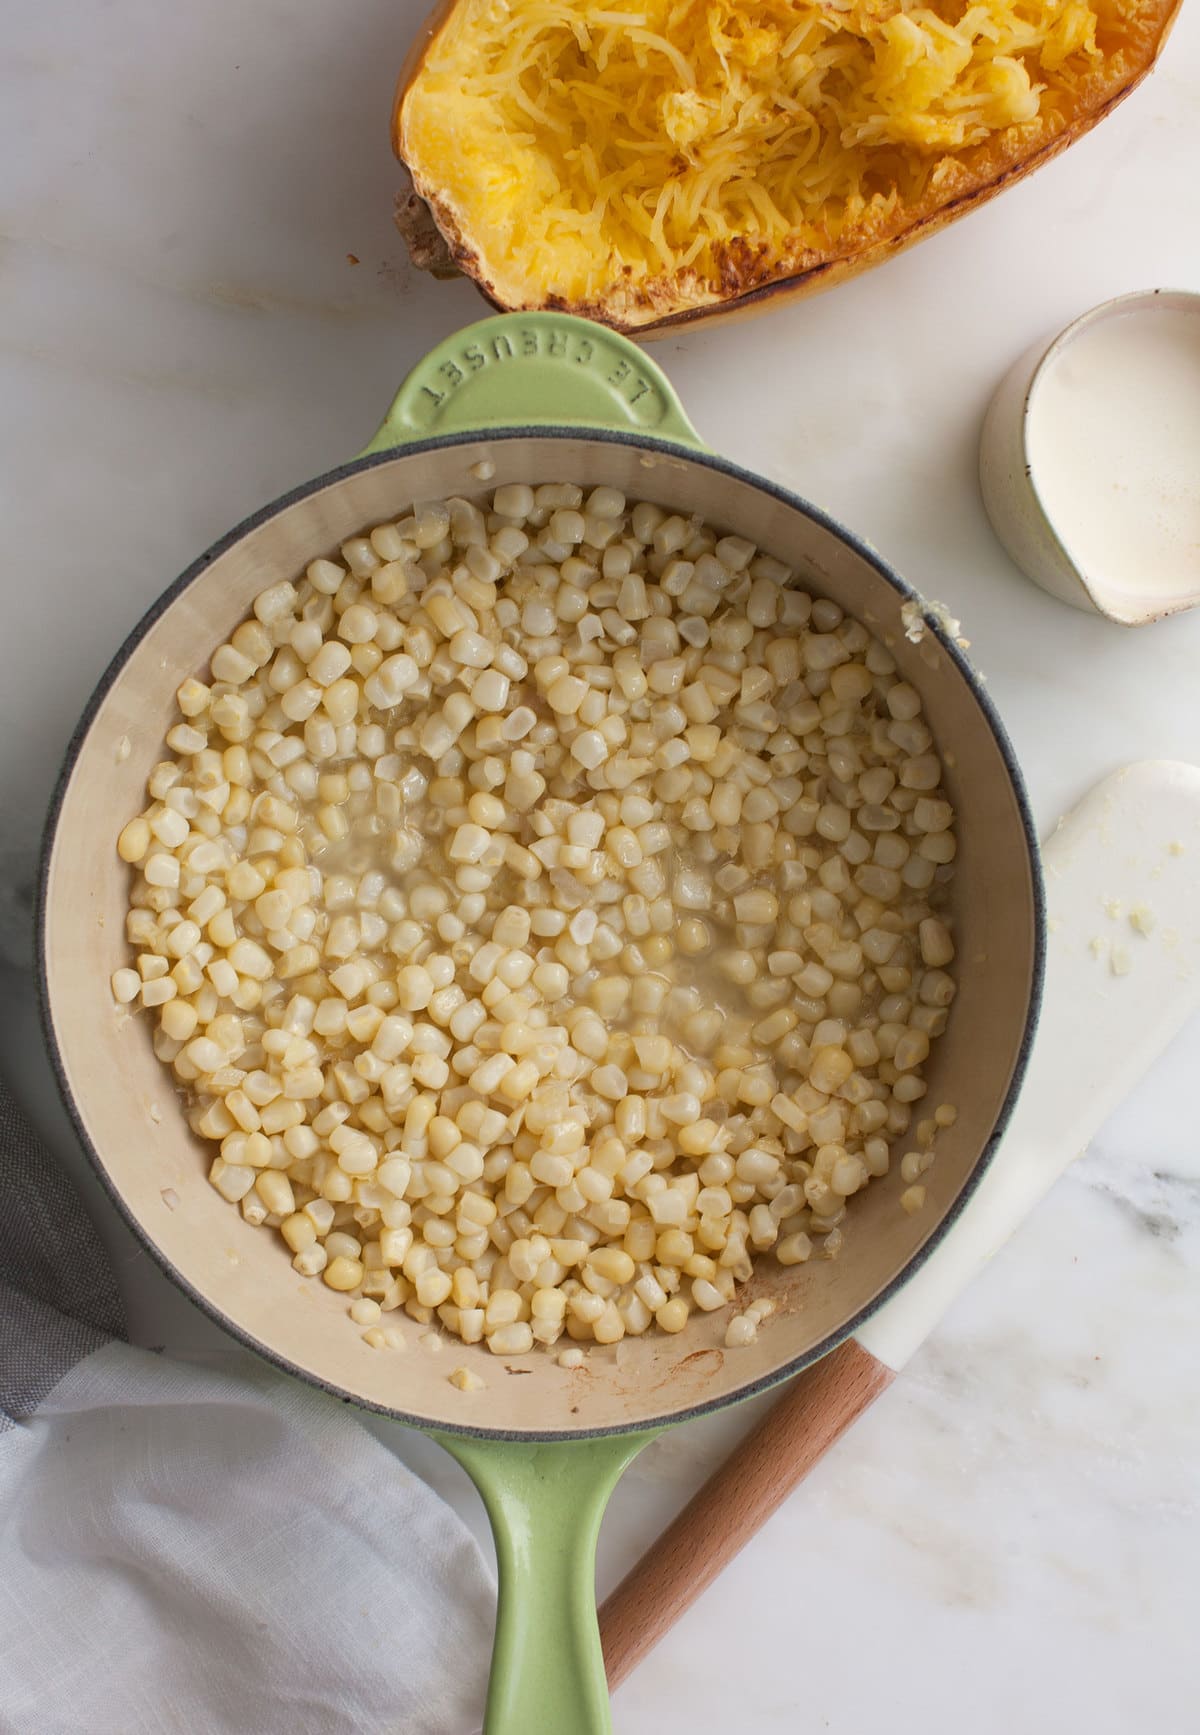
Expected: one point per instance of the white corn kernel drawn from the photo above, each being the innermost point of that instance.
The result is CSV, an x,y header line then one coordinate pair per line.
x,y
466,1380
126,985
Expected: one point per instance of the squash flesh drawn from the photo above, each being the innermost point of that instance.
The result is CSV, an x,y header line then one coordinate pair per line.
x,y
638,157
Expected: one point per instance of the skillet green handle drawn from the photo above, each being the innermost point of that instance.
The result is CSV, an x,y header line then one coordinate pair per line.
x,y
535,370
545,1503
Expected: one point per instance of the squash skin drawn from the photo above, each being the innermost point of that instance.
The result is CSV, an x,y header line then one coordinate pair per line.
x,y
988,169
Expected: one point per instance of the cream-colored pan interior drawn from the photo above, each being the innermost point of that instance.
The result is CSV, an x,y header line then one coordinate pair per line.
x,y
123,1098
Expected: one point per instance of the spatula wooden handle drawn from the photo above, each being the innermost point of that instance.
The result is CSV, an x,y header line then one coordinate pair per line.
x,y
815,1410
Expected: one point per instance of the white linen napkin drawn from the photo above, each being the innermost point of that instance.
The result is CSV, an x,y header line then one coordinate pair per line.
x,y
202,1550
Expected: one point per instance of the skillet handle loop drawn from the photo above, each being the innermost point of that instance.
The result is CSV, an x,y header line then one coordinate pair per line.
x,y
535,370
545,1503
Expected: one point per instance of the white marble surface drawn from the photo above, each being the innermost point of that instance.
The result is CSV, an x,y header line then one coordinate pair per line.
x,y
1011,1536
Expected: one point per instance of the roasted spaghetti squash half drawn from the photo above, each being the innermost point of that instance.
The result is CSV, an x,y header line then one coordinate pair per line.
x,y
647,162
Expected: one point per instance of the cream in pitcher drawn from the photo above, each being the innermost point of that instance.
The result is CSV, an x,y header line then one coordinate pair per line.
x,y
1114,450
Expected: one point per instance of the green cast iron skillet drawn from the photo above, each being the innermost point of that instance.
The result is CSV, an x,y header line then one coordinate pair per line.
x,y
535,398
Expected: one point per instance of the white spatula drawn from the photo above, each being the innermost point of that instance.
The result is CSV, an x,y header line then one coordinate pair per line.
x,y
1122,975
